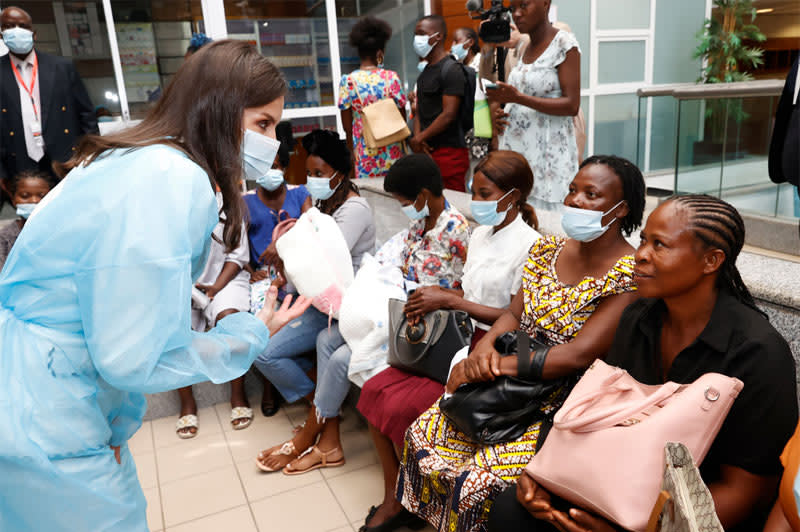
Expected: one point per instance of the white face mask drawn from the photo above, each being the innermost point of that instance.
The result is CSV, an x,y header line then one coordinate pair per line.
x,y
271,180
459,51
422,46
319,188
19,40
585,225
258,152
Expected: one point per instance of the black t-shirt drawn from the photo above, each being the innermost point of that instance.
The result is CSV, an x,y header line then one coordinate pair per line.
x,y
431,86
737,342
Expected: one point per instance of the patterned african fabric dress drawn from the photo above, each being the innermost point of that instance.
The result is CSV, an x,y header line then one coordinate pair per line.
x,y
449,480
357,90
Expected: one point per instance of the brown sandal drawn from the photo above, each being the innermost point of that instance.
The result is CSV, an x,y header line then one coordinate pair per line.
x,y
286,449
314,459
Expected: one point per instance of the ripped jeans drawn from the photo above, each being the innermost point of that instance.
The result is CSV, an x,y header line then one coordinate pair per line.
x,y
283,363
333,361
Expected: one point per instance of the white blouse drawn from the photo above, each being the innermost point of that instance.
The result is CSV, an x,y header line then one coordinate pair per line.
x,y
493,271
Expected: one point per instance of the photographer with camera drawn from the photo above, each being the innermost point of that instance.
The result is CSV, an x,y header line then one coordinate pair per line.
x,y
442,89
541,96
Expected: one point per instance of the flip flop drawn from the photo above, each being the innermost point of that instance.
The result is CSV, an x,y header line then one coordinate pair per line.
x,y
286,449
313,459
187,422
244,413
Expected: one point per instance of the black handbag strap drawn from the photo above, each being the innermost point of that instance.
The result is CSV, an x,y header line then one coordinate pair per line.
x,y
523,354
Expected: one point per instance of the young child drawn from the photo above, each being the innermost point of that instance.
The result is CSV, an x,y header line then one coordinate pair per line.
x,y
26,190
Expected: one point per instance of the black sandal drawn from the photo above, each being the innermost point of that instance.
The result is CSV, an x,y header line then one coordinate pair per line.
x,y
270,401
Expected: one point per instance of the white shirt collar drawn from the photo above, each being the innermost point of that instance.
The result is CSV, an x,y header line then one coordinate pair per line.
x,y
28,60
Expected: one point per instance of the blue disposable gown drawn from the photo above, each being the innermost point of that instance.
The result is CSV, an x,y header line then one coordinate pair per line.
x,y
94,312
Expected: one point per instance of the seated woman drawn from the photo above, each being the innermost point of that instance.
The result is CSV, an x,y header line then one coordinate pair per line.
x,y
696,316
226,284
329,166
434,255
271,202
573,293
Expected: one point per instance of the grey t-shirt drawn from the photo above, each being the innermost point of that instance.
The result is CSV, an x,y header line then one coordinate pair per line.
x,y
8,235
358,227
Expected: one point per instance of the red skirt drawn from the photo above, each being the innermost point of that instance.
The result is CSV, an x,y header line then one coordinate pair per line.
x,y
393,399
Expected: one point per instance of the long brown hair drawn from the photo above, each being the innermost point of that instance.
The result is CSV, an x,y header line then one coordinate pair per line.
x,y
508,169
200,113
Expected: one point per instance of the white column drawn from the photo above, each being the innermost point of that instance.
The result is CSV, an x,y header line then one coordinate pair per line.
x,y
336,63
114,48
214,19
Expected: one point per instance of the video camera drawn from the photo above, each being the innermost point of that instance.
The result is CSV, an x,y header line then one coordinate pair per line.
x,y
497,27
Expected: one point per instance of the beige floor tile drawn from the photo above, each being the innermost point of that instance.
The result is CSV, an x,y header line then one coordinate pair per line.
x,y
307,509
146,470
164,428
359,452
201,495
344,529
201,454
237,519
259,485
358,490
262,434
297,412
154,522
142,440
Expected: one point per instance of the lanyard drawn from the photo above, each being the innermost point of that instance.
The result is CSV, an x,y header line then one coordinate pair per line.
x,y
33,82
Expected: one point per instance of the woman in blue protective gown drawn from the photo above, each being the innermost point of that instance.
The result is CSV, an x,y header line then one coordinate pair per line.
x,y
95,295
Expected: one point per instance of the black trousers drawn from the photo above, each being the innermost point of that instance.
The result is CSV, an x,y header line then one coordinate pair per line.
x,y
508,515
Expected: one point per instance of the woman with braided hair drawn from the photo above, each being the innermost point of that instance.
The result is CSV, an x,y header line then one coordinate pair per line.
x,y
695,316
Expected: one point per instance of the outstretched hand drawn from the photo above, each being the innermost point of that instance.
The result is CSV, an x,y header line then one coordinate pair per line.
x,y
276,319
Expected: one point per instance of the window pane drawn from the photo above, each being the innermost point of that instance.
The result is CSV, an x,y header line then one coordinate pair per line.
x,y
153,36
575,13
623,14
621,61
615,125
294,35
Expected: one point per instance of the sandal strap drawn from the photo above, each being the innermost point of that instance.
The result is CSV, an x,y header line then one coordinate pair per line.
x,y
287,449
187,422
241,412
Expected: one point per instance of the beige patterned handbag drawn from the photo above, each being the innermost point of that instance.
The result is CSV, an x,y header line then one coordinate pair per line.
x,y
685,504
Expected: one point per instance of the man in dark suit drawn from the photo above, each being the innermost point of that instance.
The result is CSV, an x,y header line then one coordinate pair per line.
x,y
44,106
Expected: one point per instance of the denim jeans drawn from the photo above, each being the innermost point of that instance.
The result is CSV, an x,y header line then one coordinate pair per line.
x,y
333,361
282,363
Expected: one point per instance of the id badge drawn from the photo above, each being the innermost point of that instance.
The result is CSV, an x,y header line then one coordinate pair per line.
x,y
36,130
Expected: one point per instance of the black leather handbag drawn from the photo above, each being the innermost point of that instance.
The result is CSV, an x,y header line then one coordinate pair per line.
x,y
428,347
501,410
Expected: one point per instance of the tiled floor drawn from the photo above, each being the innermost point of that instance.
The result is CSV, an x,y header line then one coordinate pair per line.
x,y
210,483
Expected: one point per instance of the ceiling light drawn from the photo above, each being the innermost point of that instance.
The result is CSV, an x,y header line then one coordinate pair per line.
x,y
765,10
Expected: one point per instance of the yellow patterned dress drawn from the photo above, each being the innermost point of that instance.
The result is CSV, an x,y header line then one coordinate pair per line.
x,y
450,481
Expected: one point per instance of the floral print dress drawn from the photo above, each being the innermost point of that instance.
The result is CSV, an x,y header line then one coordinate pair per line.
x,y
438,256
547,141
356,91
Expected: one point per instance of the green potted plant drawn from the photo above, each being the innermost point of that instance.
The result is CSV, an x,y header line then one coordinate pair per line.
x,y
727,58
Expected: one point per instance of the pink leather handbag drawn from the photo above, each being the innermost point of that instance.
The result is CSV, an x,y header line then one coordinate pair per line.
x,y
605,451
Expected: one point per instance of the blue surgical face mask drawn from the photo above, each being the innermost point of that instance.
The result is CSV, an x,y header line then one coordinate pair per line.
x,y
485,212
25,209
258,152
414,214
422,46
459,51
320,187
421,65
585,225
272,180
19,40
